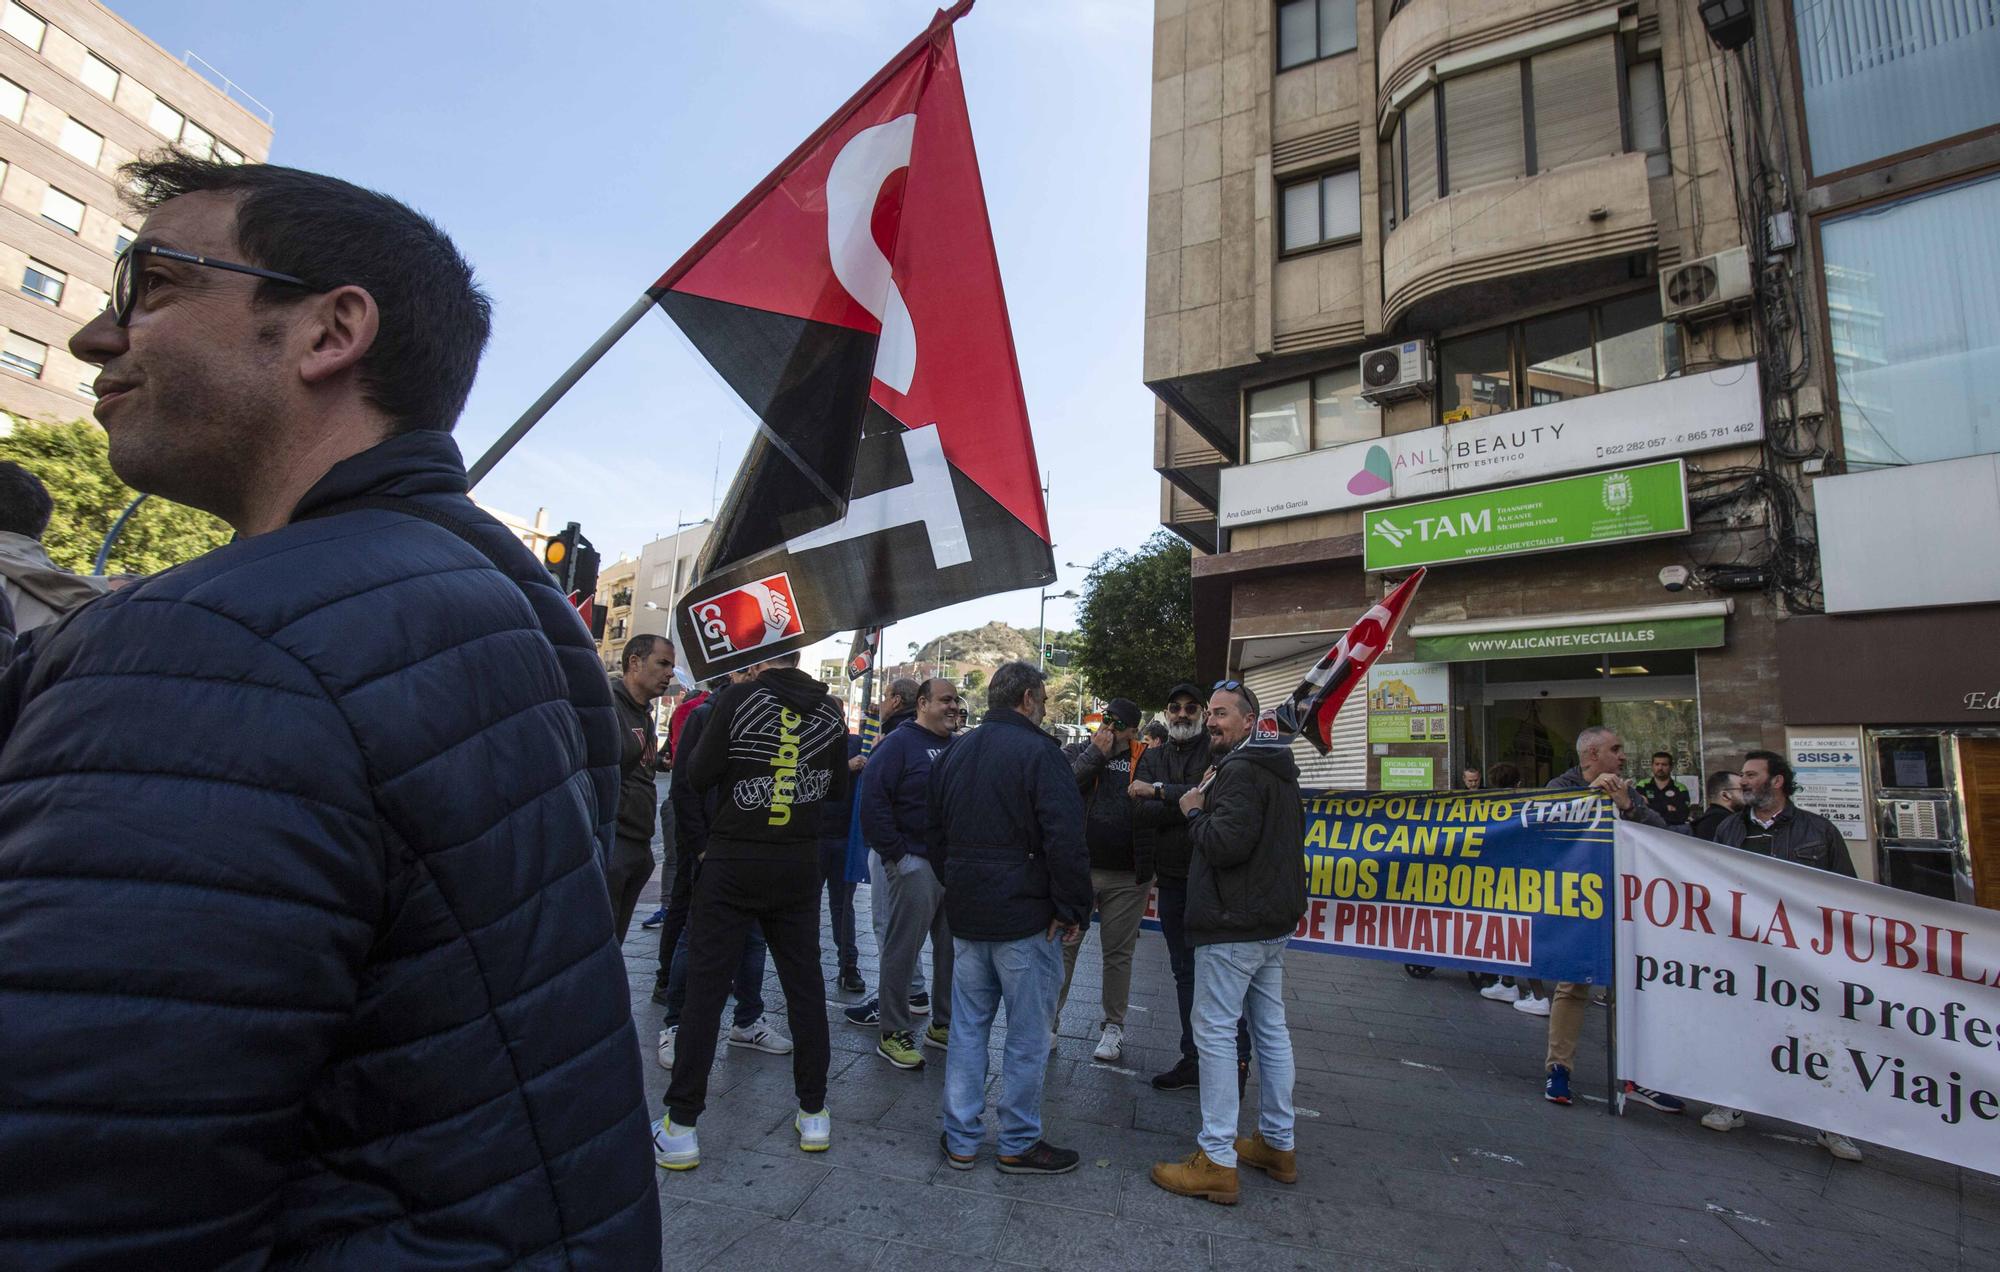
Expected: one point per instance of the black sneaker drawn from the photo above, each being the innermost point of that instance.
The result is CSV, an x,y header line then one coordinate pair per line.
x,y
660,994
851,982
1042,1158
920,1004
868,1014
1184,1076
952,1159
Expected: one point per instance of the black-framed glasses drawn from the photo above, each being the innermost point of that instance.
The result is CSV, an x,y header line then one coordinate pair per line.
x,y
1184,706
128,287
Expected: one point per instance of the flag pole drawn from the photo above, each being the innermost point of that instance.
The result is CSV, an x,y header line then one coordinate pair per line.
x,y
533,415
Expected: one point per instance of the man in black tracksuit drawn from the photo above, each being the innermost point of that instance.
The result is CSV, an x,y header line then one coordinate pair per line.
x,y
1166,773
771,750
647,671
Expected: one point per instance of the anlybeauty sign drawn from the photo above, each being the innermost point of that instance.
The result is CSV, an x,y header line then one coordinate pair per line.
x,y
1682,416
1626,503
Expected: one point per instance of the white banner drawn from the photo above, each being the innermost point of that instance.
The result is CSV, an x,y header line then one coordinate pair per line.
x,y
1784,990
1682,416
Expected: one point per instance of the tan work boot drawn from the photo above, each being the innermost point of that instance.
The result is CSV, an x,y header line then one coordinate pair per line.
x,y
1281,1164
1198,1177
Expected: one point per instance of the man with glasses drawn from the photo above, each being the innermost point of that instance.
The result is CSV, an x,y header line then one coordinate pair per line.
x,y
348,784
1165,774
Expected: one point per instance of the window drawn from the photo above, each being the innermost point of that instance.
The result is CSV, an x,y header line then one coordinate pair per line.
x,y
1312,29
99,76
1913,289
228,153
87,388
81,144
1555,357
1418,131
124,240
1324,209
165,120
1882,78
197,141
60,209
23,26
1575,94
1483,133
663,575
1327,410
44,281
13,100
23,354
1646,91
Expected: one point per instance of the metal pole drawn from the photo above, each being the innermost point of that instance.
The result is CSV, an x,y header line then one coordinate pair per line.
x,y
111,536
519,429
1042,633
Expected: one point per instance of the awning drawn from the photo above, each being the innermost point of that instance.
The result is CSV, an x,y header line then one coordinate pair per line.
x,y
1696,625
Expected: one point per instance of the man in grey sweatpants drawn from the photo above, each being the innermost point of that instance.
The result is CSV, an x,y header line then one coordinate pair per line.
x,y
895,811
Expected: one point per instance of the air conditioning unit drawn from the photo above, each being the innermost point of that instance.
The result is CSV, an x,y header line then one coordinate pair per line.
x,y
1705,286
1395,372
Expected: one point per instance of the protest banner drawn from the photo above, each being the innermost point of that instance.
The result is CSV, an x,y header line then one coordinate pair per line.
x,y
1516,883
1788,991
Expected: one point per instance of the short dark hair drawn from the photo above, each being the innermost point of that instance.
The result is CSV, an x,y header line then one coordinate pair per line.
x,y
1243,693
1717,782
1778,764
640,646
1157,730
1668,756
25,506
905,688
434,317
789,659
924,693
1011,683
1503,776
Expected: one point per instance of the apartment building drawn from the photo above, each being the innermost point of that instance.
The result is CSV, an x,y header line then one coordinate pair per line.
x,y
1467,284
82,92
614,599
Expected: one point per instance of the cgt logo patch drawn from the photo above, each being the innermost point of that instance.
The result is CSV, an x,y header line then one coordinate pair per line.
x,y
1268,732
748,617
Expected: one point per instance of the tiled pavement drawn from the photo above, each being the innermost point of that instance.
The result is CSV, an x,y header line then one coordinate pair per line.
x,y
1423,1142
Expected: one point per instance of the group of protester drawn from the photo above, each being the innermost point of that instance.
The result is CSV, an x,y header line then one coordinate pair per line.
x,y
995,846
1750,808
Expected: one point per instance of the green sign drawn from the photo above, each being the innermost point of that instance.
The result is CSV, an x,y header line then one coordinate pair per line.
x,y
1642,502
1596,638
1406,773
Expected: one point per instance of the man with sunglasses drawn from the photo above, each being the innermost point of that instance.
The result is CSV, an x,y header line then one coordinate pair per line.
x,y
348,783
1165,773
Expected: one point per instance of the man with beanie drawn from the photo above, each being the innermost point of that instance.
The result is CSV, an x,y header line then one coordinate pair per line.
x,y
772,749
1120,875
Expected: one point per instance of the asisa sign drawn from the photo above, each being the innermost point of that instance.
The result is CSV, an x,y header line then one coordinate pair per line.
x,y
1681,416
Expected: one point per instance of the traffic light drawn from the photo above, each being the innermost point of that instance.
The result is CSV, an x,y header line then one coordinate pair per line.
x,y
573,564
560,556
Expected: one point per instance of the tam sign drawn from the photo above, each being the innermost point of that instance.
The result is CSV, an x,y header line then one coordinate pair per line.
x,y
1645,502
1682,416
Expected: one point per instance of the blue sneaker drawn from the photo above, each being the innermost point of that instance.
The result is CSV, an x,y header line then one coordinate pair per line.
x,y
868,1014
1653,1099
1557,1090
659,917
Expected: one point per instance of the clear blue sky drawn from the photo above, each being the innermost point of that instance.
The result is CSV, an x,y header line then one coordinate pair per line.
x,y
574,151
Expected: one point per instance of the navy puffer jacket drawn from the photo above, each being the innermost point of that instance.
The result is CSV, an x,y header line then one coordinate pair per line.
x,y
305,952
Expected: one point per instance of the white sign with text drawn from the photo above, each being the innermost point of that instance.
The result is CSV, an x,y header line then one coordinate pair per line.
x,y
1832,1003
1682,416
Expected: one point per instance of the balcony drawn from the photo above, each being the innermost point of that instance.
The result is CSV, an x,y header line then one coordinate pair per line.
x,y
1421,32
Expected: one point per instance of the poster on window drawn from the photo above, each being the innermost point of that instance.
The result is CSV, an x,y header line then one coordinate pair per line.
x,y
1409,702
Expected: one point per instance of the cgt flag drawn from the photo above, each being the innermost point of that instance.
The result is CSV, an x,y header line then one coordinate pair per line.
x,y
853,301
1309,712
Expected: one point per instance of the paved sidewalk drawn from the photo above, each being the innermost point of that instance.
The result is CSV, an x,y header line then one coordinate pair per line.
x,y
1423,1142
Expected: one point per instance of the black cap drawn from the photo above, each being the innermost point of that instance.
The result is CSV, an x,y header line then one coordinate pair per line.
x,y
1185,687
1125,710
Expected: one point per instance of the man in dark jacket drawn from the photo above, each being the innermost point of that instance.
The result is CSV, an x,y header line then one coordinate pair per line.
x,y
899,703
1665,794
1725,796
895,816
646,671
1006,829
1246,894
1165,774
346,783
772,749
1121,869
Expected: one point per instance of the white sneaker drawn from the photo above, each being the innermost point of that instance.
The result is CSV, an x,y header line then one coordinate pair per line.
x,y
667,1047
761,1036
1840,1146
1501,993
815,1130
1722,1119
675,1147
1111,1045
1533,1006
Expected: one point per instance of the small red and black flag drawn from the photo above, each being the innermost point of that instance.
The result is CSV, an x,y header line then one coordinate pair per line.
x,y
1309,712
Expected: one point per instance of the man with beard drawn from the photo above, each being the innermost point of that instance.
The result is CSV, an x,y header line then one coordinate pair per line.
x,y
1246,892
1725,796
1165,774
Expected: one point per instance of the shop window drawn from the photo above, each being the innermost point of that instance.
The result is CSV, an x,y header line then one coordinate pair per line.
x,y
1475,375
1633,345
1322,210
1914,288
1555,357
1312,414
1309,30
1880,78
1561,364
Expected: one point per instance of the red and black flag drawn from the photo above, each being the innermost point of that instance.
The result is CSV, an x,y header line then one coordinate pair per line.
x,y
1309,712
853,301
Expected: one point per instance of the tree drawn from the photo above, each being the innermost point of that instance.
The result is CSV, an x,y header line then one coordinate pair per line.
x,y
1135,623
73,461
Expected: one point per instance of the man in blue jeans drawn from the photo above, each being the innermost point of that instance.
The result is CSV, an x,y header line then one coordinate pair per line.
x,y
1246,893
1006,836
